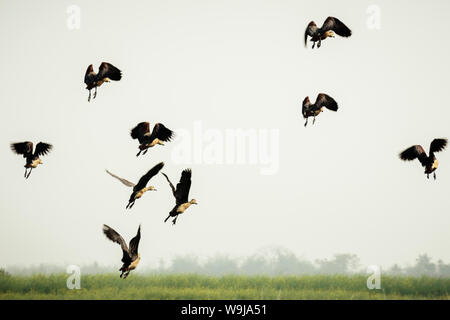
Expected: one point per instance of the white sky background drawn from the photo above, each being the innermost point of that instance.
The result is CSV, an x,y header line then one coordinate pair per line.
x,y
231,64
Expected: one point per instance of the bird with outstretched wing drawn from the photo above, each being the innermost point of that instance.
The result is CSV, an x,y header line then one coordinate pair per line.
x,y
330,27
147,139
141,187
130,255
429,162
314,109
106,72
25,149
181,194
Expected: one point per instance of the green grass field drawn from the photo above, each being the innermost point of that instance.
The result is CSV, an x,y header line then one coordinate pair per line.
x,y
110,286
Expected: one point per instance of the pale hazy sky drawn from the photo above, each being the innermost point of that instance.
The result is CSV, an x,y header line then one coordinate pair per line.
x,y
228,64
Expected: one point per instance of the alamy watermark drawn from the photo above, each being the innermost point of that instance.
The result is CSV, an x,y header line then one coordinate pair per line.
x,y
373,21
374,280
257,147
74,17
74,280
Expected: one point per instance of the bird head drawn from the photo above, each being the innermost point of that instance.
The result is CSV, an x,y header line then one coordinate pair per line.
x,y
193,201
330,34
151,188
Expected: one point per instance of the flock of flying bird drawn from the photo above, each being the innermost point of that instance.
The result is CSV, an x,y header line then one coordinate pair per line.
x,y
161,134
329,28
147,139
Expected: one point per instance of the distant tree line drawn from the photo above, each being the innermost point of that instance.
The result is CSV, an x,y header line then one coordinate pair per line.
x,y
273,262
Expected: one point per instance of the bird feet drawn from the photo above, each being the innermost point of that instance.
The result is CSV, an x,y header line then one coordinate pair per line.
x,y
434,175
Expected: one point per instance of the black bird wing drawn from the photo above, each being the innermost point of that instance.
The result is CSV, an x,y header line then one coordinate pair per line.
x,y
23,148
134,244
438,145
124,181
140,131
183,187
171,185
324,100
146,177
414,152
311,30
42,149
337,26
114,236
306,105
107,70
90,75
161,132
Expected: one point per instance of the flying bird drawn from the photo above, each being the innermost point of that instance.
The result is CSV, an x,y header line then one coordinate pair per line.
x,y
32,158
313,110
146,139
181,194
106,72
429,162
130,257
141,187
329,28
